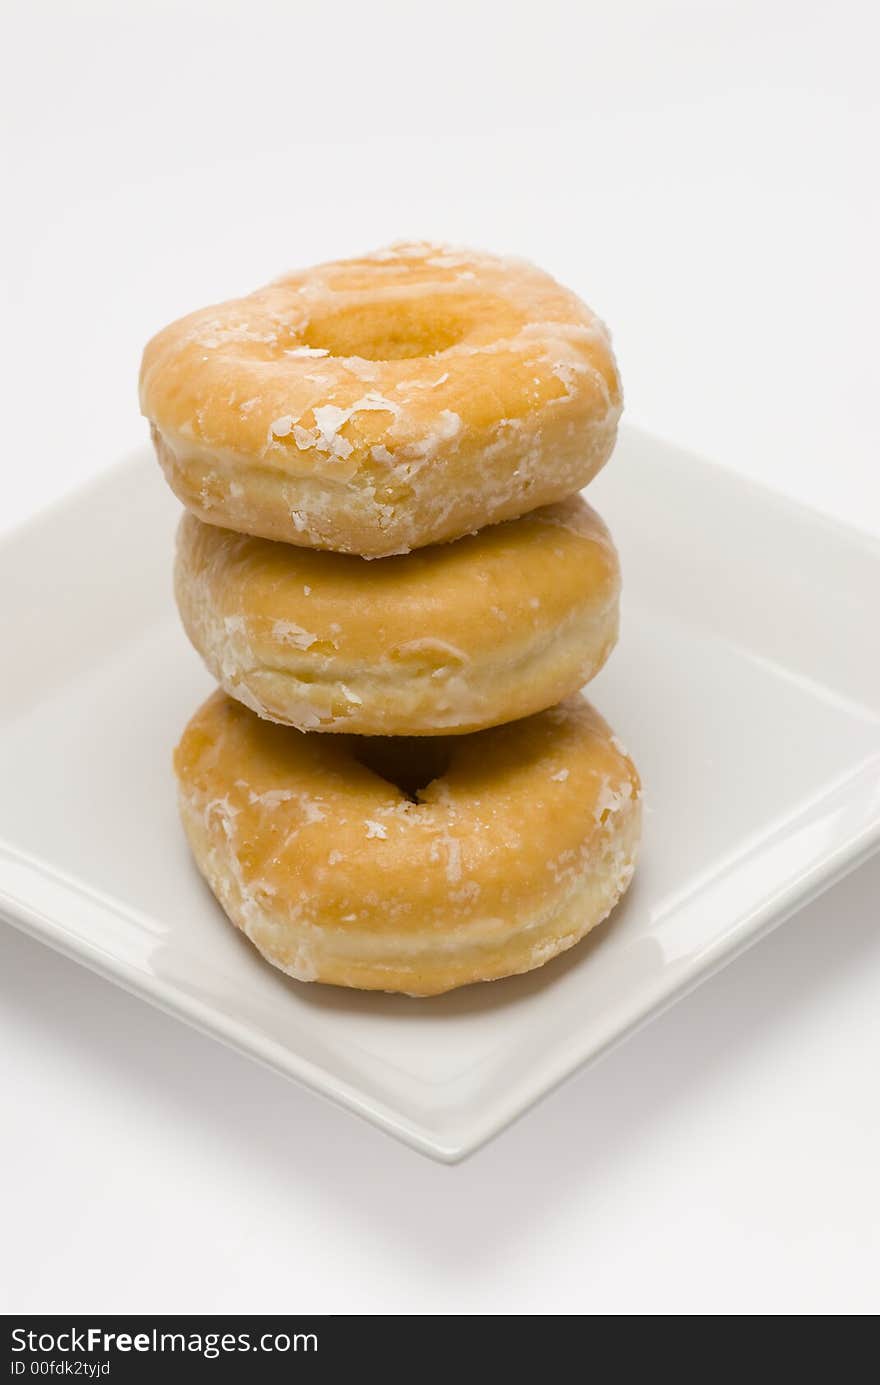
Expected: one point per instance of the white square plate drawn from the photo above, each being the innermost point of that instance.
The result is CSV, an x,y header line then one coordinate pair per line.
x,y
744,685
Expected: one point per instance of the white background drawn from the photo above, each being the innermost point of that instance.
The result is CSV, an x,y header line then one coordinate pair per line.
x,y
706,176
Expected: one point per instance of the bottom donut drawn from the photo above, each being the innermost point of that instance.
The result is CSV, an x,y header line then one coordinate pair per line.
x,y
410,865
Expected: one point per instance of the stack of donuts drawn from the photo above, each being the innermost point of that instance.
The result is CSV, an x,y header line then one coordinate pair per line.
x,y
385,563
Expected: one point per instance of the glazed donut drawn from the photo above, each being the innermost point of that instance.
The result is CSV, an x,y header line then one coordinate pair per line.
x,y
453,638
376,405
410,865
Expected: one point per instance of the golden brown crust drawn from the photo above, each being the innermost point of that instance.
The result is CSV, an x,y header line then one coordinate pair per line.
x,y
452,638
377,405
523,841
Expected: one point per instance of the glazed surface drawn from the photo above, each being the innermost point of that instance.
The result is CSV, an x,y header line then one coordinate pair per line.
x,y
377,405
412,866
455,637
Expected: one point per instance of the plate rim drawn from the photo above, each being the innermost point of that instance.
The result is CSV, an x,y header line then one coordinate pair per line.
x,y
460,1141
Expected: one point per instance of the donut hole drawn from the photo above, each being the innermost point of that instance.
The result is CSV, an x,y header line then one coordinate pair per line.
x,y
390,331
410,763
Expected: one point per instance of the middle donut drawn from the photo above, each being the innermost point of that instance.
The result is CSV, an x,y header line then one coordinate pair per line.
x,y
448,639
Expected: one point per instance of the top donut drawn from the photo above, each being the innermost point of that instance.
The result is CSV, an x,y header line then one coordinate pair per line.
x,y
376,405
